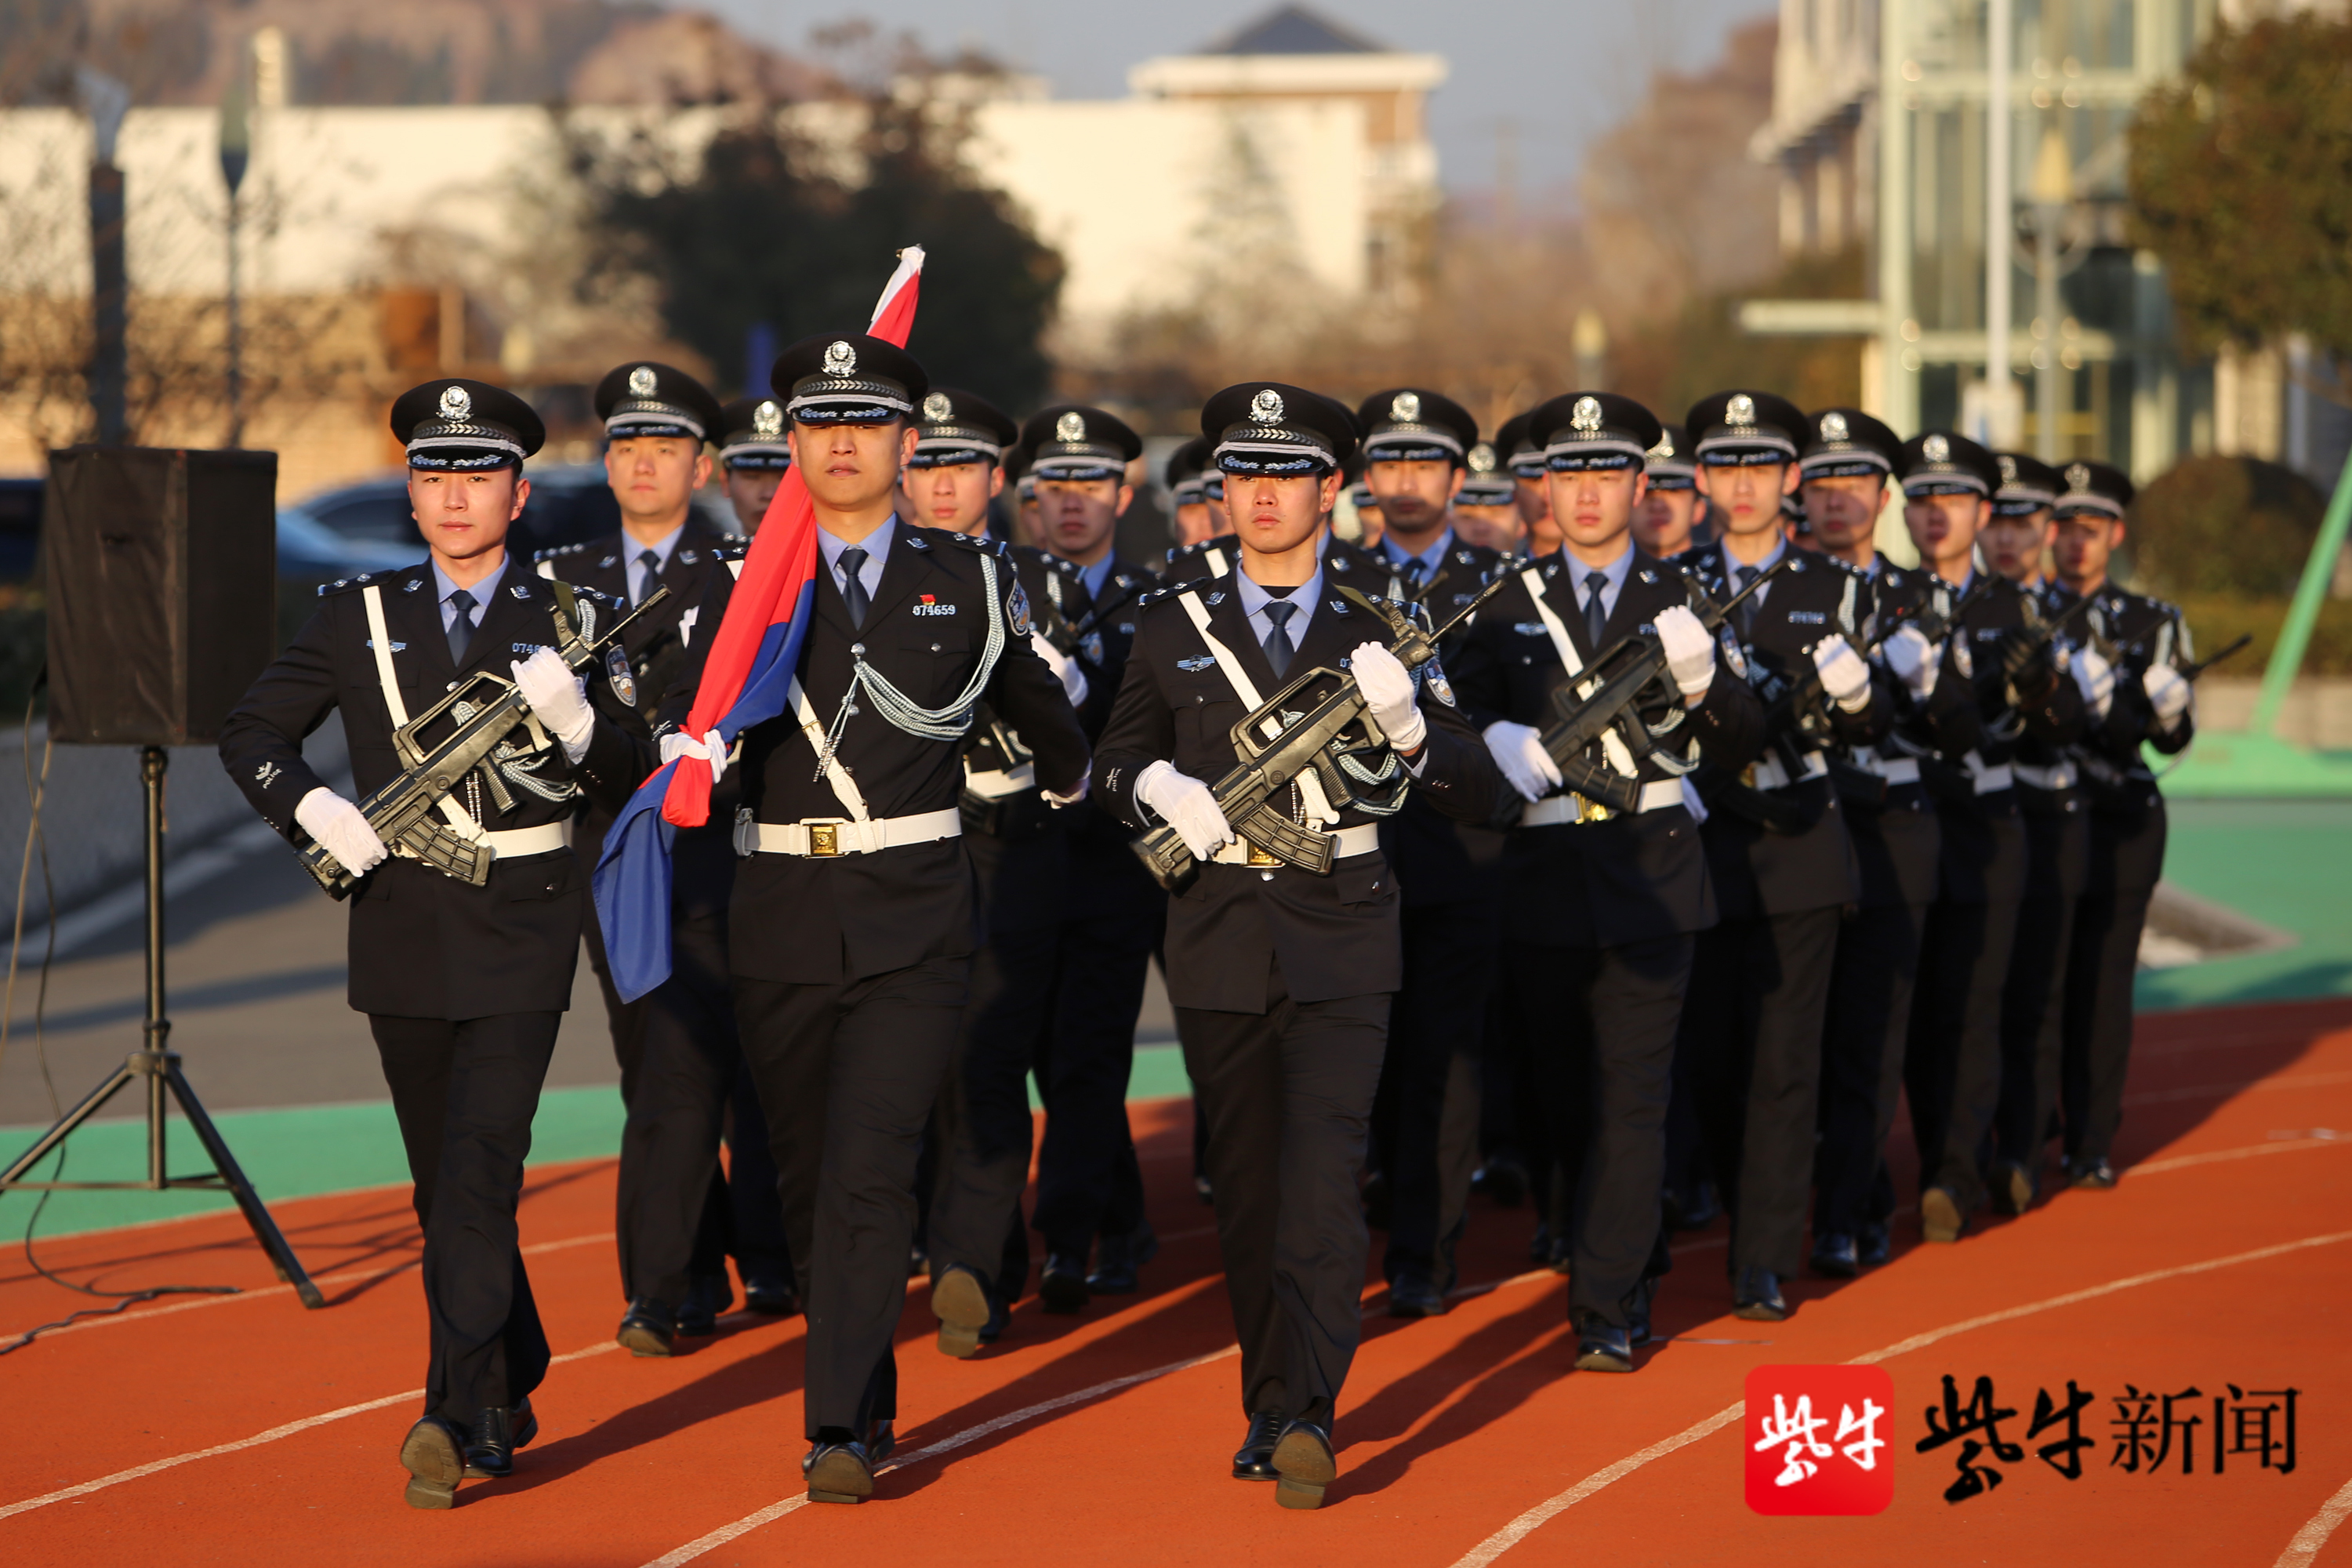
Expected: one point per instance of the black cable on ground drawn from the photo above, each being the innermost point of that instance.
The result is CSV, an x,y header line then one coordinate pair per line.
x,y
35,789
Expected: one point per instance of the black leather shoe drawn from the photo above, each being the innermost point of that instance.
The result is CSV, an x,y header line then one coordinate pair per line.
x,y
2013,1187
2093,1175
707,1296
1757,1297
1254,1460
1415,1296
1939,1215
1603,1347
647,1328
1559,1257
881,1441
497,1433
1202,1190
1539,1245
1873,1244
838,1470
1377,1205
435,1458
959,1302
1835,1256
1303,1461
1063,1286
1705,1207
1637,1311
771,1297
1119,1260
918,1261
1503,1179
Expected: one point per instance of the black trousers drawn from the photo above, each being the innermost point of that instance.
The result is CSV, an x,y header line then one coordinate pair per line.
x,y
1953,1068
847,1073
676,1215
1425,1117
1600,1030
691,1015
2032,999
1288,1095
2098,1020
465,1094
1748,1054
1864,1027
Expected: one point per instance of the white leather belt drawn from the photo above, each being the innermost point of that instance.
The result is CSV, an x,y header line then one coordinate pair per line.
x,y
1767,772
1893,770
1989,778
1347,842
2054,778
516,843
1557,810
999,783
821,838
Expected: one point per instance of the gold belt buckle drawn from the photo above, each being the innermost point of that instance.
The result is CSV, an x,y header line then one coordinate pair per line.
x,y
824,838
1747,776
1590,810
1258,857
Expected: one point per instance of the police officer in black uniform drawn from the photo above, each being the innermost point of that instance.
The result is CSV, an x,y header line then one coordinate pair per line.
x,y
1952,1066
463,985
1749,1052
2153,703
1281,976
1844,467
681,1070
1425,1119
1668,521
1192,517
852,925
752,458
1600,910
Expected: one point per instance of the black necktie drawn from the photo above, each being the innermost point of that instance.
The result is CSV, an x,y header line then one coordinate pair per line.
x,y
461,626
853,586
1278,648
1596,614
652,564
1414,570
1748,574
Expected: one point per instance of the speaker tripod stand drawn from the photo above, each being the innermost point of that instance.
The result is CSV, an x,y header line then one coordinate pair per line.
x,y
155,1069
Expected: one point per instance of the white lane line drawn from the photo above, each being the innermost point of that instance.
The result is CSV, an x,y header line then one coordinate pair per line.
x,y
2223,1090
1519,1529
2247,1152
292,1427
2316,1531
349,1276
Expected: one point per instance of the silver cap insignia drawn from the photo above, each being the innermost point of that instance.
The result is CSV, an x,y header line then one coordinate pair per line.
x,y
768,419
937,409
1586,414
1070,427
1405,407
2078,477
1833,427
2008,469
456,403
1936,449
1266,408
642,381
840,359
1482,459
1740,410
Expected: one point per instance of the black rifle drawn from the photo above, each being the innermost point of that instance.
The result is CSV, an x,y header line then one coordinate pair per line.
x,y
484,709
1276,747
2193,672
2023,646
1617,679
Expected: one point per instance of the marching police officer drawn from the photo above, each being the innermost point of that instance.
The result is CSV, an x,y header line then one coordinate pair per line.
x,y
1531,485
1952,1068
752,457
1778,852
1425,1118
464,984
1601,910
2018,537
852,923
1196,516
1667,522
1281,976
681,1070
2152,702
1484,512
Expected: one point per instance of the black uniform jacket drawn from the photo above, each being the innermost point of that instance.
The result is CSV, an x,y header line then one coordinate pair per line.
x,y
424,944
1344,564
825,920
703,862
1630,879
1760,871
1333,936
1893,823
2135,632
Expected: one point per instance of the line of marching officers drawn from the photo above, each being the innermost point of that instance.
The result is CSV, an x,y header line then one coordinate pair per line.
x,y
1891,832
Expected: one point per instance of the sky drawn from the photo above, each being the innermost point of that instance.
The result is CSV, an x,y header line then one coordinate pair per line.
x,y
1563,71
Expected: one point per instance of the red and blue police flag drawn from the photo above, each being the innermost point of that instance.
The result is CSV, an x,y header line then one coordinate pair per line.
x,y
744,682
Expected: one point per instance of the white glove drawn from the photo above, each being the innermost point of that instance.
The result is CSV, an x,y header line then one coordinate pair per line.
x,y
560,699
1077,793
2167,693
1073,679
1690,652
1518,750
337,824
1913,659
1843,675
1387,686
710,748
2096,678
1185,803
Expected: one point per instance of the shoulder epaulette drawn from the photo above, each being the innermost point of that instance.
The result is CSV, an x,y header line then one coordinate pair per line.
x,y
735,548
976,541
346,585
1148,600
595,595
553,550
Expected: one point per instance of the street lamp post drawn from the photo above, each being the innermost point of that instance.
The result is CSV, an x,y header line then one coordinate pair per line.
x,y
236,151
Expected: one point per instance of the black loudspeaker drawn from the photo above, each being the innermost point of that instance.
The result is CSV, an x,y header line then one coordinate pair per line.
x,y
162,590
